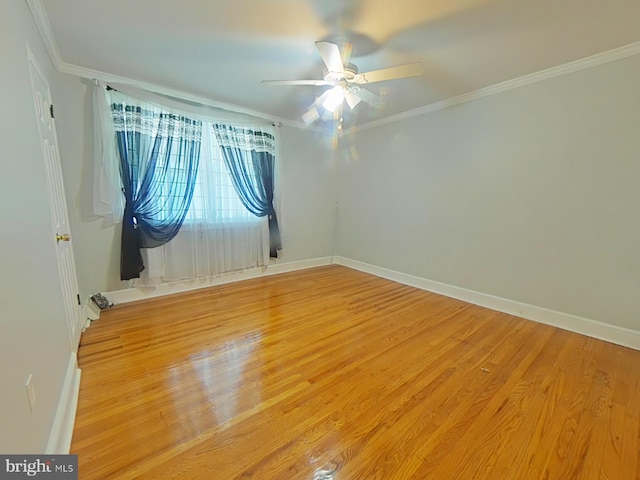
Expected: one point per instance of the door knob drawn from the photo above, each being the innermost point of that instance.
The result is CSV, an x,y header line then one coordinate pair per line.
x,y
65,237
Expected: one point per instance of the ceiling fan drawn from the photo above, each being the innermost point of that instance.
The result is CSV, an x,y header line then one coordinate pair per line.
x,y
346,82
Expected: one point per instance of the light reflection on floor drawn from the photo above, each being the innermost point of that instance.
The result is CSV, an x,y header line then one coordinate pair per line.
x,y
222,374
324,475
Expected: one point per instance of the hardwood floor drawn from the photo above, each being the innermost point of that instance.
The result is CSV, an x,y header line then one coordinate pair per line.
x,y
331,373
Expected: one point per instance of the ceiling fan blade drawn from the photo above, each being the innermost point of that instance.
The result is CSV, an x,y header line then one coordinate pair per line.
x,y
391,73
330,53
352,99
328,115
323,96
370,97
311,115
295,82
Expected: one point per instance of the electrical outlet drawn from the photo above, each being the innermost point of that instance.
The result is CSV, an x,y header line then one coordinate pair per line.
x,y
31,393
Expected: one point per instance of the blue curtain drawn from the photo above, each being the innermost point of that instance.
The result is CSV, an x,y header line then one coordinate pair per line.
x,y
250,157
159,154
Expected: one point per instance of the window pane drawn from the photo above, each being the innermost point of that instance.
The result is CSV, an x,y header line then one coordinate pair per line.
x,y
214,197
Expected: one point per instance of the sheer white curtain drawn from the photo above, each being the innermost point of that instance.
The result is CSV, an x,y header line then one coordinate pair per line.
x,y
108,200
219,234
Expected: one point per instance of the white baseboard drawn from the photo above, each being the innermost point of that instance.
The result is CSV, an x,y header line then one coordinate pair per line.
x,y
91,310
585,326
62,429
136,293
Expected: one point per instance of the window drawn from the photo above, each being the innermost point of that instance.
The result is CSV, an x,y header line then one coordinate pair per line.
x,y
214,197
210,232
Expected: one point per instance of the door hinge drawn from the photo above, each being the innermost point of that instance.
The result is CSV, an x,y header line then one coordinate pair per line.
x,y
78,297
51,111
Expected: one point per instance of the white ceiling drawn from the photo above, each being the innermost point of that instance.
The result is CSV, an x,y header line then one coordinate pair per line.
x,y
221,49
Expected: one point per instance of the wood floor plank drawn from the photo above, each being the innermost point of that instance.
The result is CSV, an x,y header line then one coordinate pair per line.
x,y
540,409
334,373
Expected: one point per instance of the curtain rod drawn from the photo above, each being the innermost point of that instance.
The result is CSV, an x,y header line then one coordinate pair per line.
x,y
108,87
217,110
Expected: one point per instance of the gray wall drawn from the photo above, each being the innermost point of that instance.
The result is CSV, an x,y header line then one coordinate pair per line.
x,y
33,331
530,195
307,185
96,242
306,189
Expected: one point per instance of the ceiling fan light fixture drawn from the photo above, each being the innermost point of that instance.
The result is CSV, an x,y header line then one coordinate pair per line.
x,y
334,98
345,80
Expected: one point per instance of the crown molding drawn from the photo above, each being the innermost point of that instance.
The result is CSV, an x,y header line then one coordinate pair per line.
x,y
151,87
560,70
44,27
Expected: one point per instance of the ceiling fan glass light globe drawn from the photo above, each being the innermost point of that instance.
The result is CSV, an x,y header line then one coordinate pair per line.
x,y
335,98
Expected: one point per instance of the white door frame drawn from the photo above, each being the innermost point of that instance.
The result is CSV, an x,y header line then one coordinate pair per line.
x,y
61,234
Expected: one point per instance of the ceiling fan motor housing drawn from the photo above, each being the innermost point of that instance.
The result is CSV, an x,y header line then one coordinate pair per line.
x,y
345,81
347,75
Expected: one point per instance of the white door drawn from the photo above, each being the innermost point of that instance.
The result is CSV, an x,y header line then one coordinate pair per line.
x,y
57,201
